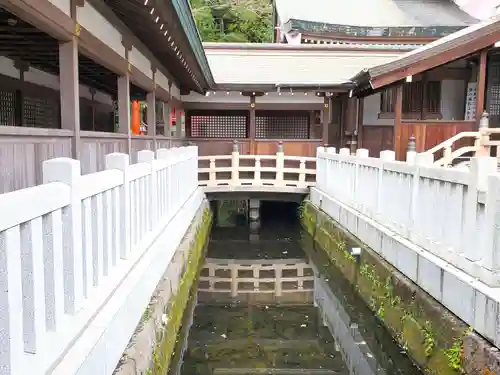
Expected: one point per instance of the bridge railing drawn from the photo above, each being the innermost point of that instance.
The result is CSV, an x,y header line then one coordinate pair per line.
x,y
67,246
278,170
452,213
271,276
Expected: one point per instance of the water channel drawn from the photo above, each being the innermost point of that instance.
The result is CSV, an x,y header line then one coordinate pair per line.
x,y
269,302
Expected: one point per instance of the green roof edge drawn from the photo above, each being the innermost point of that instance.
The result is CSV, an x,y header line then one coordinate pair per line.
x,y
363,31
185,15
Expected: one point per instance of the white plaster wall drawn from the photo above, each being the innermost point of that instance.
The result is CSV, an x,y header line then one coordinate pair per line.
x,y
219,97
371,109
64,5
95,23
141,62
161,80
236,97
452,104
452,99
287,97
51,81
175,91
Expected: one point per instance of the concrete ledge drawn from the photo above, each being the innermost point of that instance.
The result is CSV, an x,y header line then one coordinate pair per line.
x,y
255,189
101,345
473,302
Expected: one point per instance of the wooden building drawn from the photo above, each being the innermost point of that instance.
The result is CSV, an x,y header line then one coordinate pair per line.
x,y
70,68
297,89
466,64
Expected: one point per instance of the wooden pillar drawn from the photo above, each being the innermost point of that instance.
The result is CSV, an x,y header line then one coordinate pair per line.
x,y
481,84
93,91
252,126
351,119
360,123
398,116
325,119
124,109
178,125
151,116
23,67
70,92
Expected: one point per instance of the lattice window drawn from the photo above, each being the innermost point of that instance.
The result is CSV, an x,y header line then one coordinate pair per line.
x,y
215,124
413,98
7,108
40,112
282,124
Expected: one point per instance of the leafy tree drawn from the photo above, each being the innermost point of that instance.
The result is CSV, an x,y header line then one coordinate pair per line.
x,y
233,20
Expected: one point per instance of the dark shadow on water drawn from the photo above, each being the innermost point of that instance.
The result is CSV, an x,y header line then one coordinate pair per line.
x,y
292,337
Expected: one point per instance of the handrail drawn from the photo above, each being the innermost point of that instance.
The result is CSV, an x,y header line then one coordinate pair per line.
x,y
257,175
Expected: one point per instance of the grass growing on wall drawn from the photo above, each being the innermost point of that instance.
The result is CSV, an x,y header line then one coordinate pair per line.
x,y
432,337
175,311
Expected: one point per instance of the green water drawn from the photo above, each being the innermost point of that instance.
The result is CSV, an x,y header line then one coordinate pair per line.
x,y
268,338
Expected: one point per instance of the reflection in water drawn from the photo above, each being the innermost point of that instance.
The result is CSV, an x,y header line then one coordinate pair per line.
x,y
270,303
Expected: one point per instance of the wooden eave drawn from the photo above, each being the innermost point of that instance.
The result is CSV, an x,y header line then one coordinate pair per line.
x,y
431,56
179,50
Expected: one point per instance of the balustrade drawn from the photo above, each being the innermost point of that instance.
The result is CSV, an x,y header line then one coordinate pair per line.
x,y
236,170
66,246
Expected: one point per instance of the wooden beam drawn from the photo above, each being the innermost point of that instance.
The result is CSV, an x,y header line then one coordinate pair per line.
x,y
252,126
325,119
398,114
459,50
481,84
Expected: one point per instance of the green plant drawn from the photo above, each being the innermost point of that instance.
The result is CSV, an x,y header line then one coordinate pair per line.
x,y
455,352
429,342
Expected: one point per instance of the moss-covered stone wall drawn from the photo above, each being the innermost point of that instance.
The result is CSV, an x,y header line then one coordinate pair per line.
x,y
179,300
431,335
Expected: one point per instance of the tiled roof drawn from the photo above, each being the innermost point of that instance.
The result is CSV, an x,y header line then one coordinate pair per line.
x,y
234,64
375,13
462,43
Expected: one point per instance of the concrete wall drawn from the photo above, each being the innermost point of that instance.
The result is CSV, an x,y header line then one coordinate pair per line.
x,y
432,336
154,340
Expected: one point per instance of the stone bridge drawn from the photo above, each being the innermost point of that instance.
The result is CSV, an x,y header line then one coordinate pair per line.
x,y
81,255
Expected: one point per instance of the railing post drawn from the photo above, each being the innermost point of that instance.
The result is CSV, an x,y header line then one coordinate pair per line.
x,y
148,157
68,172
421,160
302,172
490,249
484,137
164,154
121,162
360,153
235,164
480,168
385,156
412,151
256,175
212,174
344,151
280,164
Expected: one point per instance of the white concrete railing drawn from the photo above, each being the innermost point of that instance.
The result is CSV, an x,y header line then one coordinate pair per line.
x,y
477,143
240,170
452,213
67,246
266,276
